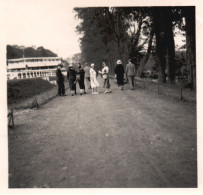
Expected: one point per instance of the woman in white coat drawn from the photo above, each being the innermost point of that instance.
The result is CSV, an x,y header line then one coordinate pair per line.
x,y
93,80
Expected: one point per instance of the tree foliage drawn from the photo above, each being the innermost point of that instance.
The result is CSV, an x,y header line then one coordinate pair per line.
x,y
15,51
111,33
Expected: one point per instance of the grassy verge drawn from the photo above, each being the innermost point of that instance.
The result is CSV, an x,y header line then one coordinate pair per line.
x,y
19,90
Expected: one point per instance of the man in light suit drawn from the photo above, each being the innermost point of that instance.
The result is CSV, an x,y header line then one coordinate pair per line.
x,y
130,73
87,75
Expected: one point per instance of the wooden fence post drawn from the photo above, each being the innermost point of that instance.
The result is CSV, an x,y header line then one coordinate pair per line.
x,y
47,94
10,119
34,104
181,90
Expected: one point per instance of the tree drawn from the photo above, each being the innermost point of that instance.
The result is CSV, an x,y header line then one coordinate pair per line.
x,y
165,47
112,33
189,13
15,51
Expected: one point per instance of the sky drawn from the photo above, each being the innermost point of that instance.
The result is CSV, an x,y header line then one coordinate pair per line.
x,y
47,23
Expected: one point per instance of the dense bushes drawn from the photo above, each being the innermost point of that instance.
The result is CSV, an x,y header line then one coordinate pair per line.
x,y
18,90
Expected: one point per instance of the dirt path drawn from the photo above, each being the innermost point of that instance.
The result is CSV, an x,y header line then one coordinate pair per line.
x,y
124,139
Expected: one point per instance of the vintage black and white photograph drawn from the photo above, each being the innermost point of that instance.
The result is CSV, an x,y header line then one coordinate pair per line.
x,y
101,96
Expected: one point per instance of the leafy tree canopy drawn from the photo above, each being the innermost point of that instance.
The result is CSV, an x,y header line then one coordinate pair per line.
x,y
15,51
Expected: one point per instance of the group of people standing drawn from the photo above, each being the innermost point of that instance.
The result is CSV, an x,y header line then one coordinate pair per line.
x,y
88,75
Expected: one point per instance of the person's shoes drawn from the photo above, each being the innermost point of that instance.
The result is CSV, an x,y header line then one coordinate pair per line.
x,y
80,93
72,94
106,92
121,88
93,93
109,91
96,93
85,92
63,94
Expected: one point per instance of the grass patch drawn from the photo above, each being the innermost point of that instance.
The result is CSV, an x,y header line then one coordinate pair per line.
x,y
18,90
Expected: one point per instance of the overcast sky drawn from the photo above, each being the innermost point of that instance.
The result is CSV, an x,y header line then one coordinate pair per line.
x,y
47,23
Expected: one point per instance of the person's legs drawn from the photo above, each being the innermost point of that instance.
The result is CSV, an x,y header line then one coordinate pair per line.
x,y
80,86
133,83
96,92
59,89
72,92
62,88
105,86
75,87
87,80
109,86
130,81
84,87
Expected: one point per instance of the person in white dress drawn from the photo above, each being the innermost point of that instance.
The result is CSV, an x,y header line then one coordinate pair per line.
x,y
93,80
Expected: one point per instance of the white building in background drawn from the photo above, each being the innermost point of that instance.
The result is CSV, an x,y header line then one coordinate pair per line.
x,y
22,68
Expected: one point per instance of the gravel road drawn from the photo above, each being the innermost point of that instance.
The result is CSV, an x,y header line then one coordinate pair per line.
x,y
128,139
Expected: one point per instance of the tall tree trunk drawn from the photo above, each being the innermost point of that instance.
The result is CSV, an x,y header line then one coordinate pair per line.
x,y
170,48
160,17
151,36
189,13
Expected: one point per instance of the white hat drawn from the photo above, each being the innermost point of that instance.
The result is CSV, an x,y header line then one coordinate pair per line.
x,y
70,65
92,65
119,62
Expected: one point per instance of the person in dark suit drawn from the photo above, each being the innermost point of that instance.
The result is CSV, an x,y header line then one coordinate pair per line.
x,y
60,81
80,77
71,76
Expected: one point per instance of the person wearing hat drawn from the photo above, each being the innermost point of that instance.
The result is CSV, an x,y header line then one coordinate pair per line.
x,y
93,80
119,74
60,81
71,76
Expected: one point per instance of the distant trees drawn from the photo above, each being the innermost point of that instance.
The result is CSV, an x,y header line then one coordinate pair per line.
x,y
15,51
